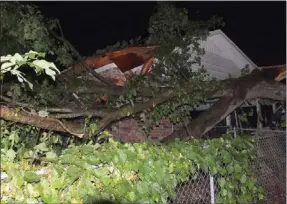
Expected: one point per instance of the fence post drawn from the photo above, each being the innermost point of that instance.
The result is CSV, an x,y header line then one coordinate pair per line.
x,y
234,132
228,122
258,110
211,189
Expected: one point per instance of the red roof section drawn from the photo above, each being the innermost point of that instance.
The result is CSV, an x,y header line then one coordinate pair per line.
x,y
125,59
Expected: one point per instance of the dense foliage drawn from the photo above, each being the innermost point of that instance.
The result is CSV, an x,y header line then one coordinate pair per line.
x,y
177,62
42,166
176,65
23,27
11,64
127,173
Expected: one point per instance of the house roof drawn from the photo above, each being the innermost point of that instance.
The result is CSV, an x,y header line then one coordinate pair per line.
x,y
222,58
220,32
124,59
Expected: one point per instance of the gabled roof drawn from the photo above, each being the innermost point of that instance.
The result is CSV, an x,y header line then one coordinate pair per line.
x,y
220,32
221,60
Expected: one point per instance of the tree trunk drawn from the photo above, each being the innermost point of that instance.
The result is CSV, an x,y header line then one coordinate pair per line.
x,y
41,122
225,105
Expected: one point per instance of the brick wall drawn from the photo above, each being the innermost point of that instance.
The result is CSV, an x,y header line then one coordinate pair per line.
x,y
129,130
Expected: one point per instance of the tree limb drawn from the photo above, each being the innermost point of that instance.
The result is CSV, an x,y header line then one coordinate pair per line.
x,y
95,113
41,122
231,96
226,104
30,106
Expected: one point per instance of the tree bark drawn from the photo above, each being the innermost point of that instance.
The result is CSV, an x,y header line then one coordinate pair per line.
x,y
234,92
225,105
45,123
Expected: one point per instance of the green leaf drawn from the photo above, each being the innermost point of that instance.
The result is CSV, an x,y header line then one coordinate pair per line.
x,y
19,179
93,160
49,67
51,156
32,55
261,196
260,189
7,66
243,189
106,180
32,191
237,168
87,149
223,192
226,157
42,54
31,177
221,182
59,169
58,183
250,185
230,169
74,172
11,154
41,147
123,156
243,178
16,57
131,196
69,159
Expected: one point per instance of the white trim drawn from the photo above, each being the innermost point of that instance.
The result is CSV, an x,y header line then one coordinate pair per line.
x,y
105,67
137,69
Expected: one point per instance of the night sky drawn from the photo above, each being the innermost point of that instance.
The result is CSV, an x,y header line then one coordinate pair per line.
x,y
257,28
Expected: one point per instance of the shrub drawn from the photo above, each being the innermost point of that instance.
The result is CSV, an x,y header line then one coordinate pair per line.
x,y
127,173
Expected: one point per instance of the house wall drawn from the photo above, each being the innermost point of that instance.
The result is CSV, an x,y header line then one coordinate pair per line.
x,y
131,131
222,58
230,50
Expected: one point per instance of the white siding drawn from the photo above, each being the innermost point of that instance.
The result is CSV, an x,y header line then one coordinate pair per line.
x,y
222,57
230,52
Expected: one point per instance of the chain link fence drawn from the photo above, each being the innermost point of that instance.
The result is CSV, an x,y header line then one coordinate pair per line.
x,y
270,164
199,189
269,168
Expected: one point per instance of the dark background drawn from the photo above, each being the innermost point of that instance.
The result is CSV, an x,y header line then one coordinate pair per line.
x,y
257,28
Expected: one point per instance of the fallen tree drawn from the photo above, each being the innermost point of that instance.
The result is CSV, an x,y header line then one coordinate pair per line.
x,y
231,96
170,90
226,105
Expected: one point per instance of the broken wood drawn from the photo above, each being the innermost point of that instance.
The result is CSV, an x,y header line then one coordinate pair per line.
x,y
258,84
47,123
225,105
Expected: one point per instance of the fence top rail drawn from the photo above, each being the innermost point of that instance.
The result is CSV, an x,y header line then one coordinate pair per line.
x,y
252,129
262,130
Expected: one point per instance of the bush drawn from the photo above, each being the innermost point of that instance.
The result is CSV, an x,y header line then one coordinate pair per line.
x,y
127,173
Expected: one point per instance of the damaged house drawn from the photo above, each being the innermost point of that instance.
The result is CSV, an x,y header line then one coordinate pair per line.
x,y
222,59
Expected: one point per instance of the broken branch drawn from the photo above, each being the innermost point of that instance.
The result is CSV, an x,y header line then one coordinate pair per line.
x,y
41,122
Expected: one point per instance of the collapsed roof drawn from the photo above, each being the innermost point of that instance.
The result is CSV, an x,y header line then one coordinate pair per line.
x,y
222,59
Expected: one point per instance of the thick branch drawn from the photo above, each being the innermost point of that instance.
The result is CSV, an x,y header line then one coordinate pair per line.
x,y
95,113
41,122
30,106
94,88
233,94
226,104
